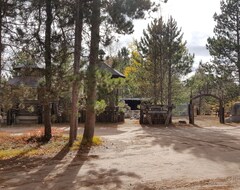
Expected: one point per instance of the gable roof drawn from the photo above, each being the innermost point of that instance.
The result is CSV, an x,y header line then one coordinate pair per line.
x,y
114,72
30,81
30,66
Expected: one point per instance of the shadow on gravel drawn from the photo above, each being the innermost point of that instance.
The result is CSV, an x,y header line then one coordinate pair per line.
x,y
211,143
105,179
228,183
48,165
67,178
75,177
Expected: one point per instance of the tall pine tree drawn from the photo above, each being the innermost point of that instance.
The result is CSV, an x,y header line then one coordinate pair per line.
x,y
166,56
44,33
8,25
224,47
76,70
120,15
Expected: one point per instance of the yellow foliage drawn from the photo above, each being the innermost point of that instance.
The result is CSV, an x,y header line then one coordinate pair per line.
x,y
76,145
10,153
129,70
21,146
136,58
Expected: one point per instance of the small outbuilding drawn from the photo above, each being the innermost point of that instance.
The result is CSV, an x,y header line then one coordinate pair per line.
x,y
235,113
112,113
27,110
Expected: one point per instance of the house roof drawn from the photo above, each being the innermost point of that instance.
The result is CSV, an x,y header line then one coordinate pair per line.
x,y
32,66
30,81
135,99
33,81
114,72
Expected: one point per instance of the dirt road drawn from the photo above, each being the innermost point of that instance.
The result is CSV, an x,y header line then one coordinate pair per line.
x,y
201,157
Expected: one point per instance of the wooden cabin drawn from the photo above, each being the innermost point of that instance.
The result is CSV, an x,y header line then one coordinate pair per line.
x,y
30,110
112,113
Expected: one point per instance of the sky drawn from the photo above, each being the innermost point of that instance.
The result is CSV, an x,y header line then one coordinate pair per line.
x,y
194,17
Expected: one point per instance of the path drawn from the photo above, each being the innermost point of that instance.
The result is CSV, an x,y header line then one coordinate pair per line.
x,y
139,157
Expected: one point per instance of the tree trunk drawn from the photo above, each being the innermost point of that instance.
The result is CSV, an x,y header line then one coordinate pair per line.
x,y
1,46
91,74
48,71
155,81
161,77
238,51
200,104
47,121
76,82
168,120
169,95
170,85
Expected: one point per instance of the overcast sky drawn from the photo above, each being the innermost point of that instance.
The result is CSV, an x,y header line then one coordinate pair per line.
x,y
194,17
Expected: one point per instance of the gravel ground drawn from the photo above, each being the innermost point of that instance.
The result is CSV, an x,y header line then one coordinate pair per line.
x,y
201,157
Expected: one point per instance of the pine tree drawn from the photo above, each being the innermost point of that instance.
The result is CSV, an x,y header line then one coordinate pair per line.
x,y
44,33
151,47
1,45
120,15
8,12
224,47
76,68
166,56
91,73
48,69
179,61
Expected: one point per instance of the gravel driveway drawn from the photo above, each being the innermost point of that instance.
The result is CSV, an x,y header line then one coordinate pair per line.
x,y
201,157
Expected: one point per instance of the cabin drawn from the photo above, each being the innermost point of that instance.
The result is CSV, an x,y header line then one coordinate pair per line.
x,y
30,110
112,113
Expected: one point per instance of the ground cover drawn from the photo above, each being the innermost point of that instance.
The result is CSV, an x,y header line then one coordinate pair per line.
x,y
132,156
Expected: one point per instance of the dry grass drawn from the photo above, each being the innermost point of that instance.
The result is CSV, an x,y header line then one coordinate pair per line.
x,y
31,143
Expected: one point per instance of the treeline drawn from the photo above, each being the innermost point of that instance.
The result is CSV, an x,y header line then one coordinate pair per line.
x,y
59,32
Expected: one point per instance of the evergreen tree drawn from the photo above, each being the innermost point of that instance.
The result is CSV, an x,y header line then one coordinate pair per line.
x,y
224,47
119,14
205,81
179,61
165,56
8,13
151,47
76,68
1,45
121,61
91,73
48,69
8,23
44,33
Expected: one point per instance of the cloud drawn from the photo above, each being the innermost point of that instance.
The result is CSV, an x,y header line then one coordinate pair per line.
x,y
194,17
199,51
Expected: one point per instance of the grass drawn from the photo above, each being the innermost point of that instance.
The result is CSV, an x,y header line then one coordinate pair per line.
x,y
96,142
31,144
